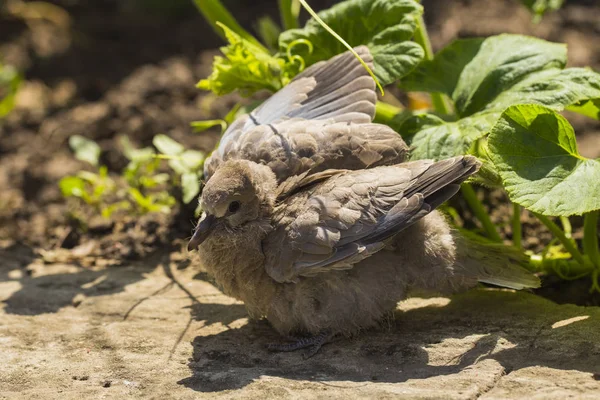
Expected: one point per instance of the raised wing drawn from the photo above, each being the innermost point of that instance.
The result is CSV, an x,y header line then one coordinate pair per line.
x,y
299,123
346,219
295,146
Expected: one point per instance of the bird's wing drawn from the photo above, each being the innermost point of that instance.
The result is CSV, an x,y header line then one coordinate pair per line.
x,y
296,146
347,218
337,90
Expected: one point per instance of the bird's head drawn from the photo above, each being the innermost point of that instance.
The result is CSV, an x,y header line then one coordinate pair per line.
x,y
239,192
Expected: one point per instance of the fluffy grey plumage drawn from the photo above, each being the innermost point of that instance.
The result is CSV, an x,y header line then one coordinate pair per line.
x,y
321,120
335,251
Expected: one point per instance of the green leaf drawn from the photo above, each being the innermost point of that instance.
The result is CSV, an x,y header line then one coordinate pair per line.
x,y
268,31
193,159
133,154
385,26
72,186
409,122
479,70
233,114
590,108
167,146
10,80
85,149
248,68
485,76
216,15
289,11
178,166
190,185
535,152
577,89
161,202
451,138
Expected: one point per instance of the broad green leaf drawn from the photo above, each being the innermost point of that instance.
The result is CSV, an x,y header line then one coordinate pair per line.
x,y
85,149
385,26
443,72
167,146
247,68
485,76
577,89
535,152
190,185
451,138
483,69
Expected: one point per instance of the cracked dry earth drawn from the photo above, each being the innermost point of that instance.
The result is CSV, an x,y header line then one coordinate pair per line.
x,y
157,330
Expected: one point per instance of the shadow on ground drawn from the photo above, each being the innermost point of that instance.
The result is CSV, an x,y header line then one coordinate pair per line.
x,y
515,329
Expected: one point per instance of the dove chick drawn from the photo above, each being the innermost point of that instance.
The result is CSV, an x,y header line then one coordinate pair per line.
x,y
332,253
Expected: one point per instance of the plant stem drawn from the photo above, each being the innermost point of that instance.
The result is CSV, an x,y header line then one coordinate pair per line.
x,y
516,226
565,268
560,235
590,237
471,198
289,10
214,11
566,224
422,38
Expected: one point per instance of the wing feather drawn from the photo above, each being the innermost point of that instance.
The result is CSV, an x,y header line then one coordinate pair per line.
x,y
351,215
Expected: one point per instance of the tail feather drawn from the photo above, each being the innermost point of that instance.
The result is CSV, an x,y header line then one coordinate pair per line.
x,y
494,263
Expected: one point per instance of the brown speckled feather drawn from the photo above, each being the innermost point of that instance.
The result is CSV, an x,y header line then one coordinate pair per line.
x,y
347,218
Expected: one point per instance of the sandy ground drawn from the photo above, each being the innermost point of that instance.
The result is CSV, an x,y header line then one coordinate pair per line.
x,y
164,331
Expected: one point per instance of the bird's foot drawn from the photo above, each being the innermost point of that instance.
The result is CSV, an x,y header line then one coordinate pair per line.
x,y
311,343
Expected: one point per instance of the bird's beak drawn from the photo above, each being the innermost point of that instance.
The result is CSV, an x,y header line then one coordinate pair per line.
x,y
202,231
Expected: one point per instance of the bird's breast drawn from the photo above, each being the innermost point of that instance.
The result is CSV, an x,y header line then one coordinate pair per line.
x,y
236,261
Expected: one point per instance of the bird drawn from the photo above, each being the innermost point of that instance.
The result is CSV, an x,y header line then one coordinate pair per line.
x,y
321,120
329,254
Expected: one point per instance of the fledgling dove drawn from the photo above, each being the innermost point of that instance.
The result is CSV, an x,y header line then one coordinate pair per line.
x,y
332,253
320,120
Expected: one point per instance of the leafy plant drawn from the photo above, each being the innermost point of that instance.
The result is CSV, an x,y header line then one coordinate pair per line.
x,y
141,186
498,98
186,163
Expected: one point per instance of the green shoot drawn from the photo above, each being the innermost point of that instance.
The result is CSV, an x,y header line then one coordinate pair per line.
x,y
216,14
289,11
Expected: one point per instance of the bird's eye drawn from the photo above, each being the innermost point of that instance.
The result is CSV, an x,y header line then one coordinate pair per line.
x,y
234,206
